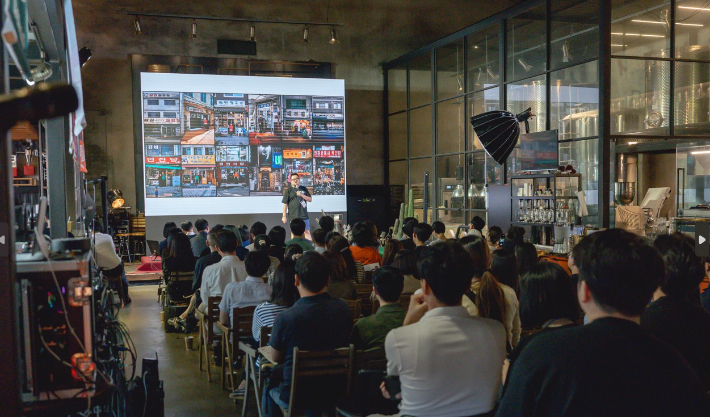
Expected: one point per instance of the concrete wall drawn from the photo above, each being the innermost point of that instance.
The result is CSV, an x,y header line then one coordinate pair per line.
x,y
373,32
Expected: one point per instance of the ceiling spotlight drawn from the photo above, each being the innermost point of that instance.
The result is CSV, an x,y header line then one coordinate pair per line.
x,y
525,65
194,29
305,34
252,33
333,38
137,25
565,52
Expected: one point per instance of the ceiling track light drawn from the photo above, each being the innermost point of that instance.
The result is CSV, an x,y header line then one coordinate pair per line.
x,y
305,34
194,29
333,37
137,25
252,33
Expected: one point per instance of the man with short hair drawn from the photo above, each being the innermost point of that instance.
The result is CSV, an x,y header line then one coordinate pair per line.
x,y
228,269
295,200
326,223
316,322
199,242
611,366
449,363
319,240
257,229
251,292
187,228
206,261
421,233
107,259
370,332
298,228
407,232
439,232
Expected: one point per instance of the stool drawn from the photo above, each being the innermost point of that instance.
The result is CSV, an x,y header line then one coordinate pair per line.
x,y
138,247
124,249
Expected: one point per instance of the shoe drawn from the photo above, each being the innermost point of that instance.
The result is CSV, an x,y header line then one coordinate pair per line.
x,y
177,323
237,395
127,302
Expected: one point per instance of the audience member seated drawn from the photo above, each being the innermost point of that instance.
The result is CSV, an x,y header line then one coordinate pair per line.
x,y
494,235
262,243
277,235
199,242
228,269
283,295
514,237
525,257
488,297
178,256
339,286
406,262
163,245
241,251
298,229
439,229
250,292
326,223
108,261
392,248
315,322
319,240
356,272
505,268
421,234
364,248
171,233
672,316
448,362
258,228
611,366
370,332
293,252
188,228
407,232
244,235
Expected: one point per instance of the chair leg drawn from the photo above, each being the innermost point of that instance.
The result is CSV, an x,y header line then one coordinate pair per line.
x,y
230,367
246,389
202,341
207,358
255,380
224,358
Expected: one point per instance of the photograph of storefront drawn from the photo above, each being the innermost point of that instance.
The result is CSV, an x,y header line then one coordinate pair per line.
x,y
232,179
264,118
162,176
328,177
198,118
296,118
198,175
266,170
231,119
299,161
161,117
328,118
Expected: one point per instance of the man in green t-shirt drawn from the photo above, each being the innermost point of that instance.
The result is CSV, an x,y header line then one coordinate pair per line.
x,y
296,199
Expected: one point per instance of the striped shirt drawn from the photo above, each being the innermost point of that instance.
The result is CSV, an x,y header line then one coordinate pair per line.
x,y
264,316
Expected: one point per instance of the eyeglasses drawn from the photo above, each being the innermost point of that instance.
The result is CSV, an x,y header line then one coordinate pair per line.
x,y
567,169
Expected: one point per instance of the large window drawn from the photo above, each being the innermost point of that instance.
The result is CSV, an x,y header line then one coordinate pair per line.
x,y
574,101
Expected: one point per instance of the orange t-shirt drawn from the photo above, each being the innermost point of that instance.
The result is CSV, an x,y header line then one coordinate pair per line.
x,y
366,256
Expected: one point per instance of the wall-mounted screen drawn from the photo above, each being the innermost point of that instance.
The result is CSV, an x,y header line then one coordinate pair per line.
x,y
538,151
222,144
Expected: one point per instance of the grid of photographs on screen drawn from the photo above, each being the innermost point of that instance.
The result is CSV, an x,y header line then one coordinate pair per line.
x,y
235,145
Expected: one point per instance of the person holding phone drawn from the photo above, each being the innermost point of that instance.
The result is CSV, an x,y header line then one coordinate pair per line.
x,y
295,202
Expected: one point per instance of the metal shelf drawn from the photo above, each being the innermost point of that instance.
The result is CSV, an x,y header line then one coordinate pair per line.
x,y
532,224
537,197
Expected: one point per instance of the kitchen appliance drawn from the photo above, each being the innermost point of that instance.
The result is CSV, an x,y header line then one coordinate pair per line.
x,y
562,236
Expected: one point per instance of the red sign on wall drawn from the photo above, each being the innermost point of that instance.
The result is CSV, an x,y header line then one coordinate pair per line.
x,y
162,160
327,154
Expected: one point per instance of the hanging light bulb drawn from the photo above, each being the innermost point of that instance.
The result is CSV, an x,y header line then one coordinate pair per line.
x,y
565,52
137,25
252,33
333,39
194,29
305,34
525,65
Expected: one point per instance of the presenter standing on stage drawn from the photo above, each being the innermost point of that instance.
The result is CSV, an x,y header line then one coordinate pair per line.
x,y
296,199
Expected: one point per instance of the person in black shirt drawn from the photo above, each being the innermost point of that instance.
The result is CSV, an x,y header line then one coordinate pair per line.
x,y
408,232
296,199
612,366
672,316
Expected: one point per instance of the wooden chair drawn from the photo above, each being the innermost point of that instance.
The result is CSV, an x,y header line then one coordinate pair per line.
x,y
403,301
364,294
241,328
355,308
319,365
256,376
365,397
207,336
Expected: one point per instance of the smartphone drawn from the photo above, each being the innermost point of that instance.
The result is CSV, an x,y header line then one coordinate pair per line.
x,y
393,386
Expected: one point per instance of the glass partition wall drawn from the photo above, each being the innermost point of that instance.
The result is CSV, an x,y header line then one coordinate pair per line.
x,y
545,55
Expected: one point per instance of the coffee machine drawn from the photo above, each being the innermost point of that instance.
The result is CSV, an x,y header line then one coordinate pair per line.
x,y
561,238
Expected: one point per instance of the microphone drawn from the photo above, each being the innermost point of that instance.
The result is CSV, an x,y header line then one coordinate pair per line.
x,y
42,101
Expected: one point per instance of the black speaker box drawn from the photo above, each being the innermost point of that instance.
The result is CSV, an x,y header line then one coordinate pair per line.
x,y
368,202
235,47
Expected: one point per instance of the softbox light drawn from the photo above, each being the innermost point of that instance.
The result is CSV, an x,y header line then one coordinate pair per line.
x,y
498,131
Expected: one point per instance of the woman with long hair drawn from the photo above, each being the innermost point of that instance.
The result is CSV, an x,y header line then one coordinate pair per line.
x,y
392,248
340,286
166,230
356,271
487,297
263,243
277,235
406,262
365,244
505,269
179,255
293,252
526,257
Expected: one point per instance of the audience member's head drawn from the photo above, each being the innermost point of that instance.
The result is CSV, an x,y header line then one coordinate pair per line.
x,y
408,228
505,269
232,228
478,223
277,234
392,248
406,262
490,299
186,227
244,233
172,233
478,248
312,272
179,245
494,235
293,252
330,235
364,235
339,244
618,272
421,233
514,237
525,257
256,262
446,270
96,226
684,269
298,227
168,227
262,243
217,227
338,269
319,237
226,242
389,283
257,229
547,293
201,225
284,292
212,240
408,219
439,229
326,223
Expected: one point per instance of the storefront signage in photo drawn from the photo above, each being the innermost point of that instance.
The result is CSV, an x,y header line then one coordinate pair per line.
x,y
194,109
230,103
161,121
162,160
327,154
329,116
162,95
297,154
198,159
233,164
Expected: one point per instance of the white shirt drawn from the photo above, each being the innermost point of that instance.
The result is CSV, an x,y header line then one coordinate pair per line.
x,y
105,251
512,313
217,276
449,363
320,249
252,292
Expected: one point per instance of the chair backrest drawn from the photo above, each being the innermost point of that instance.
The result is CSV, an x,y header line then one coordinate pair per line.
x,y
364,291
355,308
179,284
371,366
265,336
403,301
371,359
324,365
212,316
241,322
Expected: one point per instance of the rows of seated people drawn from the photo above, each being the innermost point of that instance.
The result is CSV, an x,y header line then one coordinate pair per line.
x,y
489,329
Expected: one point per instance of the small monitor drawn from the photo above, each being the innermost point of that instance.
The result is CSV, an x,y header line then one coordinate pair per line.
x,y
538,151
